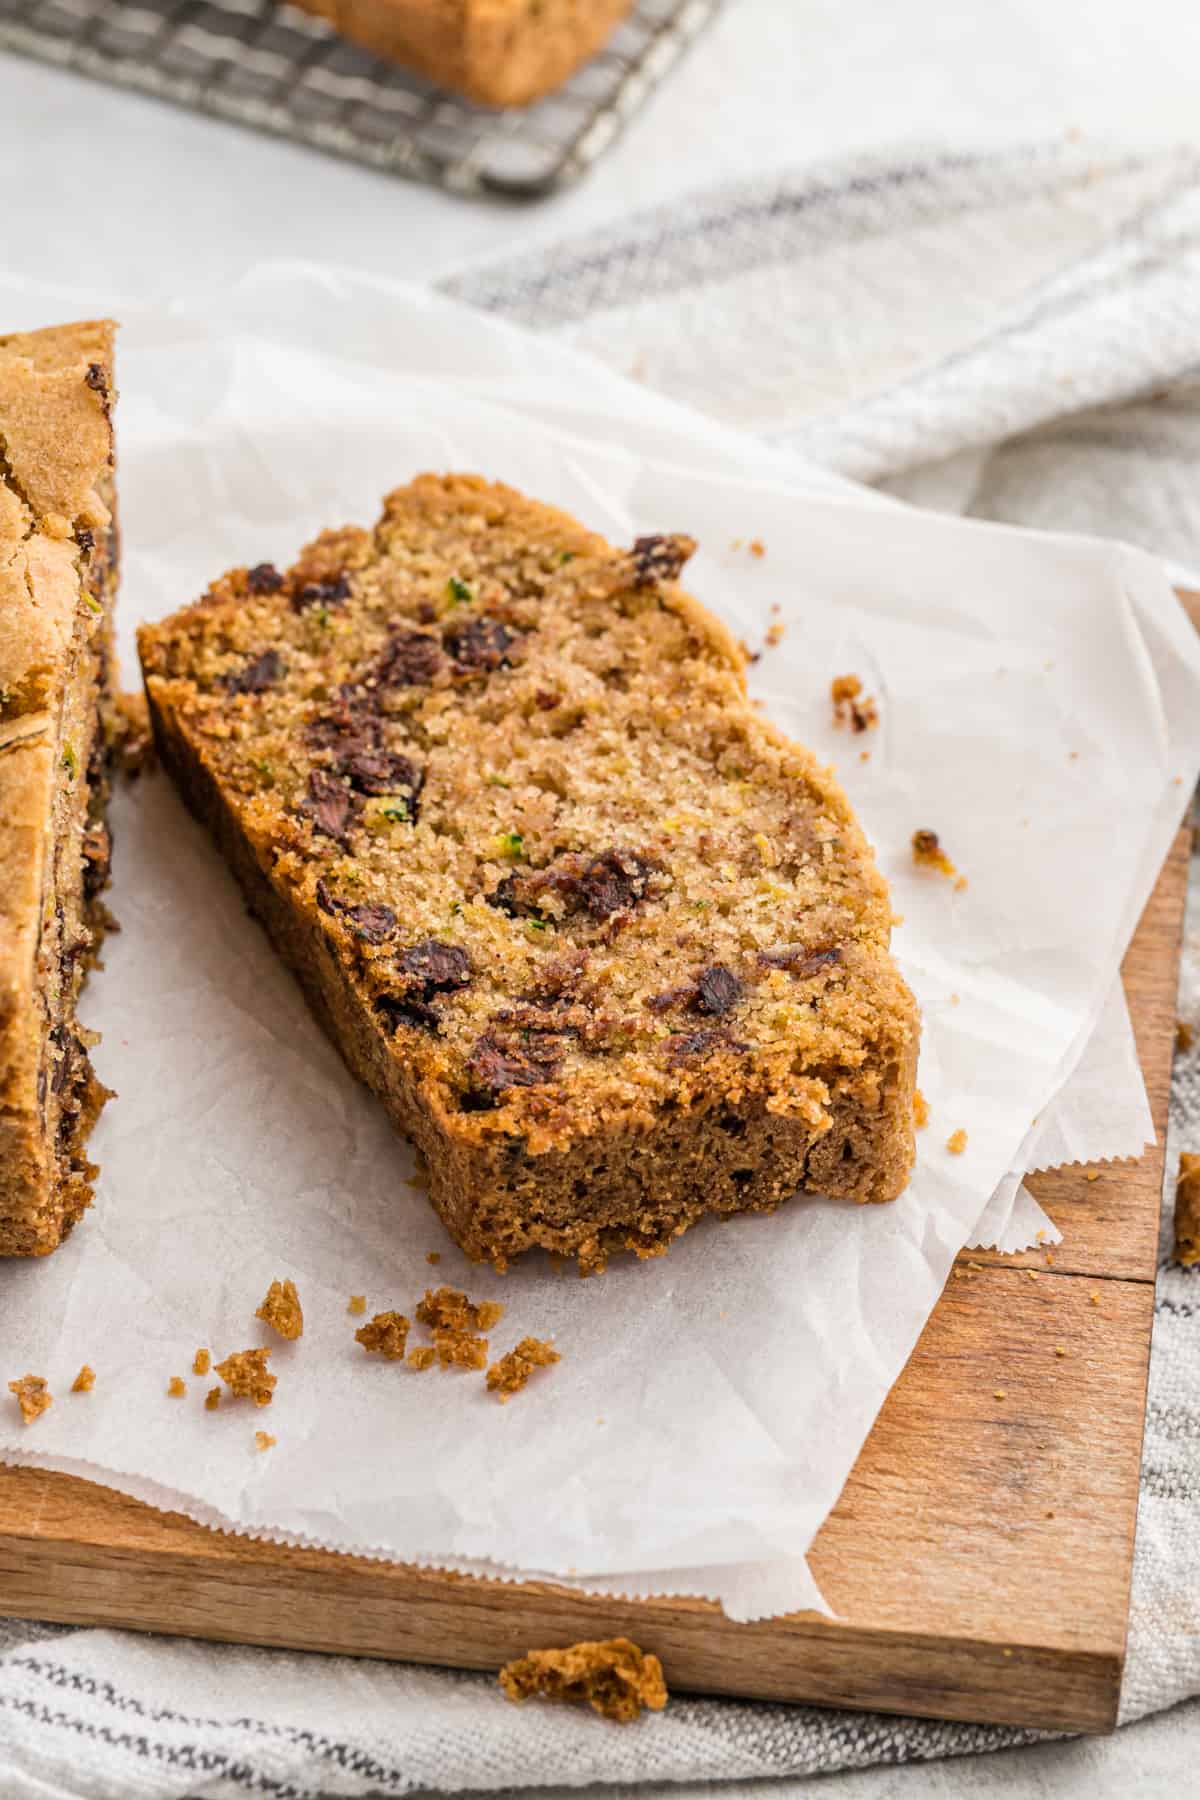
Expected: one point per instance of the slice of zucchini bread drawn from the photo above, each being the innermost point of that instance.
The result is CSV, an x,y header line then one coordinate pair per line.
x,y
58,576
611,949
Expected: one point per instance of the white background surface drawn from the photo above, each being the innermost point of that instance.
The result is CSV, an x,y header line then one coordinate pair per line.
x,y
109,194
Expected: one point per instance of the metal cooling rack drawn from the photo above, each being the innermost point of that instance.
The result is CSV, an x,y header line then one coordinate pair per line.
x,y
282,71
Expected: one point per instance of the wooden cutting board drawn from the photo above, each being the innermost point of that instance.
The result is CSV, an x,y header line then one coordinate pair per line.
x,y
978,1560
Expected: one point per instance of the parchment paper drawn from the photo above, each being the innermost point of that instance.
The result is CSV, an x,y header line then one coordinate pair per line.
x,y
1039,709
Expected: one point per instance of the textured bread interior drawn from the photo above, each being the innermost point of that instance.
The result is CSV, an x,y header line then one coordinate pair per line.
x,y
58,572
611,949
495,52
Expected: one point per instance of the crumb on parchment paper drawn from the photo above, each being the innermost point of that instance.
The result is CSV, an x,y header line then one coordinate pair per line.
x,y
358,1305
212,1399
850,705
956,1143
510,1374
33,1396
927,853
421,1357
385,1335
920,1110
177,1387
614,1677
246,1375
281,1310
85,1381
263,1440
202,1362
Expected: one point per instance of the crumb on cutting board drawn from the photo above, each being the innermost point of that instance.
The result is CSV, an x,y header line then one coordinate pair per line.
x,y
385,1335
33,1396
615,1678
246,1375
510,1374
85,1381
281,1310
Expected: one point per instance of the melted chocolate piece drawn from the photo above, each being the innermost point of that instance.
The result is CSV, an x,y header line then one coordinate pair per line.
x,y
718,990
330,805
259,674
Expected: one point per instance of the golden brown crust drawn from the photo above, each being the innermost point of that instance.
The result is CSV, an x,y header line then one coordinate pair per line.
x,y
57,583
613,950
496,52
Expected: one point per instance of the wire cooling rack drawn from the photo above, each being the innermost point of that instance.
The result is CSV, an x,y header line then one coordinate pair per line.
x,y
282,71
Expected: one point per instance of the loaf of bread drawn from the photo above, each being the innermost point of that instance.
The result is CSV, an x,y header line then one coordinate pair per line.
x,y
496,52
612,951
58,574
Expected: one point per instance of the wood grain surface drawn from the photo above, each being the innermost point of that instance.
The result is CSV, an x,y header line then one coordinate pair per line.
x,y
978,1560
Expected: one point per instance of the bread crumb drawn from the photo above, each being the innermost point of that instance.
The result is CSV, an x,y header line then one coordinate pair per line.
x,y
927,853
1187,1211
757,547
850,706
449,1310
998,1394
775,633
1032,1274
33,1397
460,1350
1185,1037
1049,1257
956,1143
433,1257
1094,1299
246,1375
615,1678
85,1381
212,1399
1059,1350
920,1110
358,1305
281,1310
1092,1175
132,738
177,1387
385,1335
263,1440
510,1374
202,1362
421,1358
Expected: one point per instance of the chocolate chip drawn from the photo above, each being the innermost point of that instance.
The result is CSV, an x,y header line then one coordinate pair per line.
x,y
718,990
85,539
374,922
499,1063
329,804
434,968
546,702
348,729
395,1011
427,612
408,659
321,593
798,961
480,644
264,578
657,559
670,997
259,674
326,900
97,380
379,771
611,882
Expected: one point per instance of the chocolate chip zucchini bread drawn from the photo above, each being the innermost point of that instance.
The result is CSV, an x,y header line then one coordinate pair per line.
x,y
613,952
58,574
496,52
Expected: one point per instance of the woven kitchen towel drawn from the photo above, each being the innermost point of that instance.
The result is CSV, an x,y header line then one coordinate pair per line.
x,y
1010,336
